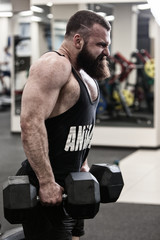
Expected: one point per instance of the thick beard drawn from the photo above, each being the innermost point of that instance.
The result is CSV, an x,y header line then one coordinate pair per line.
x,y
95,68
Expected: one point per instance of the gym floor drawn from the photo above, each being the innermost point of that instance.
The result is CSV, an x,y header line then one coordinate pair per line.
x,y
136,215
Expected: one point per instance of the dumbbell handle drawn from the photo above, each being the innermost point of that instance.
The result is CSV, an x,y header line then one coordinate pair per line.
x,y
64,197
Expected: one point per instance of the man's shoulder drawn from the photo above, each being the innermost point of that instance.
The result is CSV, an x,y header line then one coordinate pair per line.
x,y
53,59
52,65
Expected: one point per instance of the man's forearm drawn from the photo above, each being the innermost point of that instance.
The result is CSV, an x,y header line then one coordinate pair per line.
x,y
35,144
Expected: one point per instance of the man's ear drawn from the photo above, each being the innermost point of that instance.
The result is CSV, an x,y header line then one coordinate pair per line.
x,y
78,41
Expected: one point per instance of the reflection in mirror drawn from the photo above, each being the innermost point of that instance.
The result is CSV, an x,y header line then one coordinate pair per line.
x,y
33,26
22,60
127,97
59,32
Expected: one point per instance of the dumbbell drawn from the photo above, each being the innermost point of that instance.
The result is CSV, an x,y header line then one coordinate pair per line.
x,y
81,202
110,180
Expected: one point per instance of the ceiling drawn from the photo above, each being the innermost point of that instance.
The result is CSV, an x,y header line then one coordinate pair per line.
x,y
5,5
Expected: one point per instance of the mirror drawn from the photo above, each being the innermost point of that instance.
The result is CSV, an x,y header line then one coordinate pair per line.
x,y
32,39
22,61
127,97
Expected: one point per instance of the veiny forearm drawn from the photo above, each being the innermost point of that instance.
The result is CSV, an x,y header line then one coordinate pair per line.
x,y
35,144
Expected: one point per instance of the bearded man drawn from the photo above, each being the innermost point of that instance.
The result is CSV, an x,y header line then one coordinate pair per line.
x,y
59,101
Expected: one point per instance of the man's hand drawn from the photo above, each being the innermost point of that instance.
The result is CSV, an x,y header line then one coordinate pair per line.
x,y
51,194
85,167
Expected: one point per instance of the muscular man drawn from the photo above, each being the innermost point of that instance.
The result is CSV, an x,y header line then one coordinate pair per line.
x,y
57,119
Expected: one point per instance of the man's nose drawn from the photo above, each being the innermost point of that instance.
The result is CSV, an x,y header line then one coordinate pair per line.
x,y
106,51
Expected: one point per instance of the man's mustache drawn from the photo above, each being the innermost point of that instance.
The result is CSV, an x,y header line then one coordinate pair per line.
x,y
102,57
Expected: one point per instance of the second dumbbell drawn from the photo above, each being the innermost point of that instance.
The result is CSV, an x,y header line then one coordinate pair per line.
x,y
110,180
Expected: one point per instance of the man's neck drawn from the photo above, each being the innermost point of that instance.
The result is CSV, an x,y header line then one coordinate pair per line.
x,y
69,53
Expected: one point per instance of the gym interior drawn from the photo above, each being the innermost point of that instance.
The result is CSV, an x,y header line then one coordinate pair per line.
x,y
127,131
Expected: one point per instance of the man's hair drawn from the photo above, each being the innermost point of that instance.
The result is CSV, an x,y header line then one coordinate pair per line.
x,y
83,20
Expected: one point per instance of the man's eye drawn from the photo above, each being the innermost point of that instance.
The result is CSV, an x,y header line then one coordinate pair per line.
x,y
102,45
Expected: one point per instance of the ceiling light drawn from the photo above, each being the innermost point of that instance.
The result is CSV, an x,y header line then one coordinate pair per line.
x,y
143,6
26,13
110,18
103,14
37,9
36,19
6,14
50,15
49,4
98,7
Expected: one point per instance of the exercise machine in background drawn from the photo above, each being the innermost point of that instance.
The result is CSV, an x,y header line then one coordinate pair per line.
x,y
124,99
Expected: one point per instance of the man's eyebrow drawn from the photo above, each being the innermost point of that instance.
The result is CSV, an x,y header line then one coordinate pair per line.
x,y
104,44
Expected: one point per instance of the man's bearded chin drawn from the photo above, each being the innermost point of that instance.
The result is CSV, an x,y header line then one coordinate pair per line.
x,y
101,69
95,68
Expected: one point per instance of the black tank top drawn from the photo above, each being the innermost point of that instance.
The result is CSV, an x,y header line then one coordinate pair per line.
x,y
70,134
